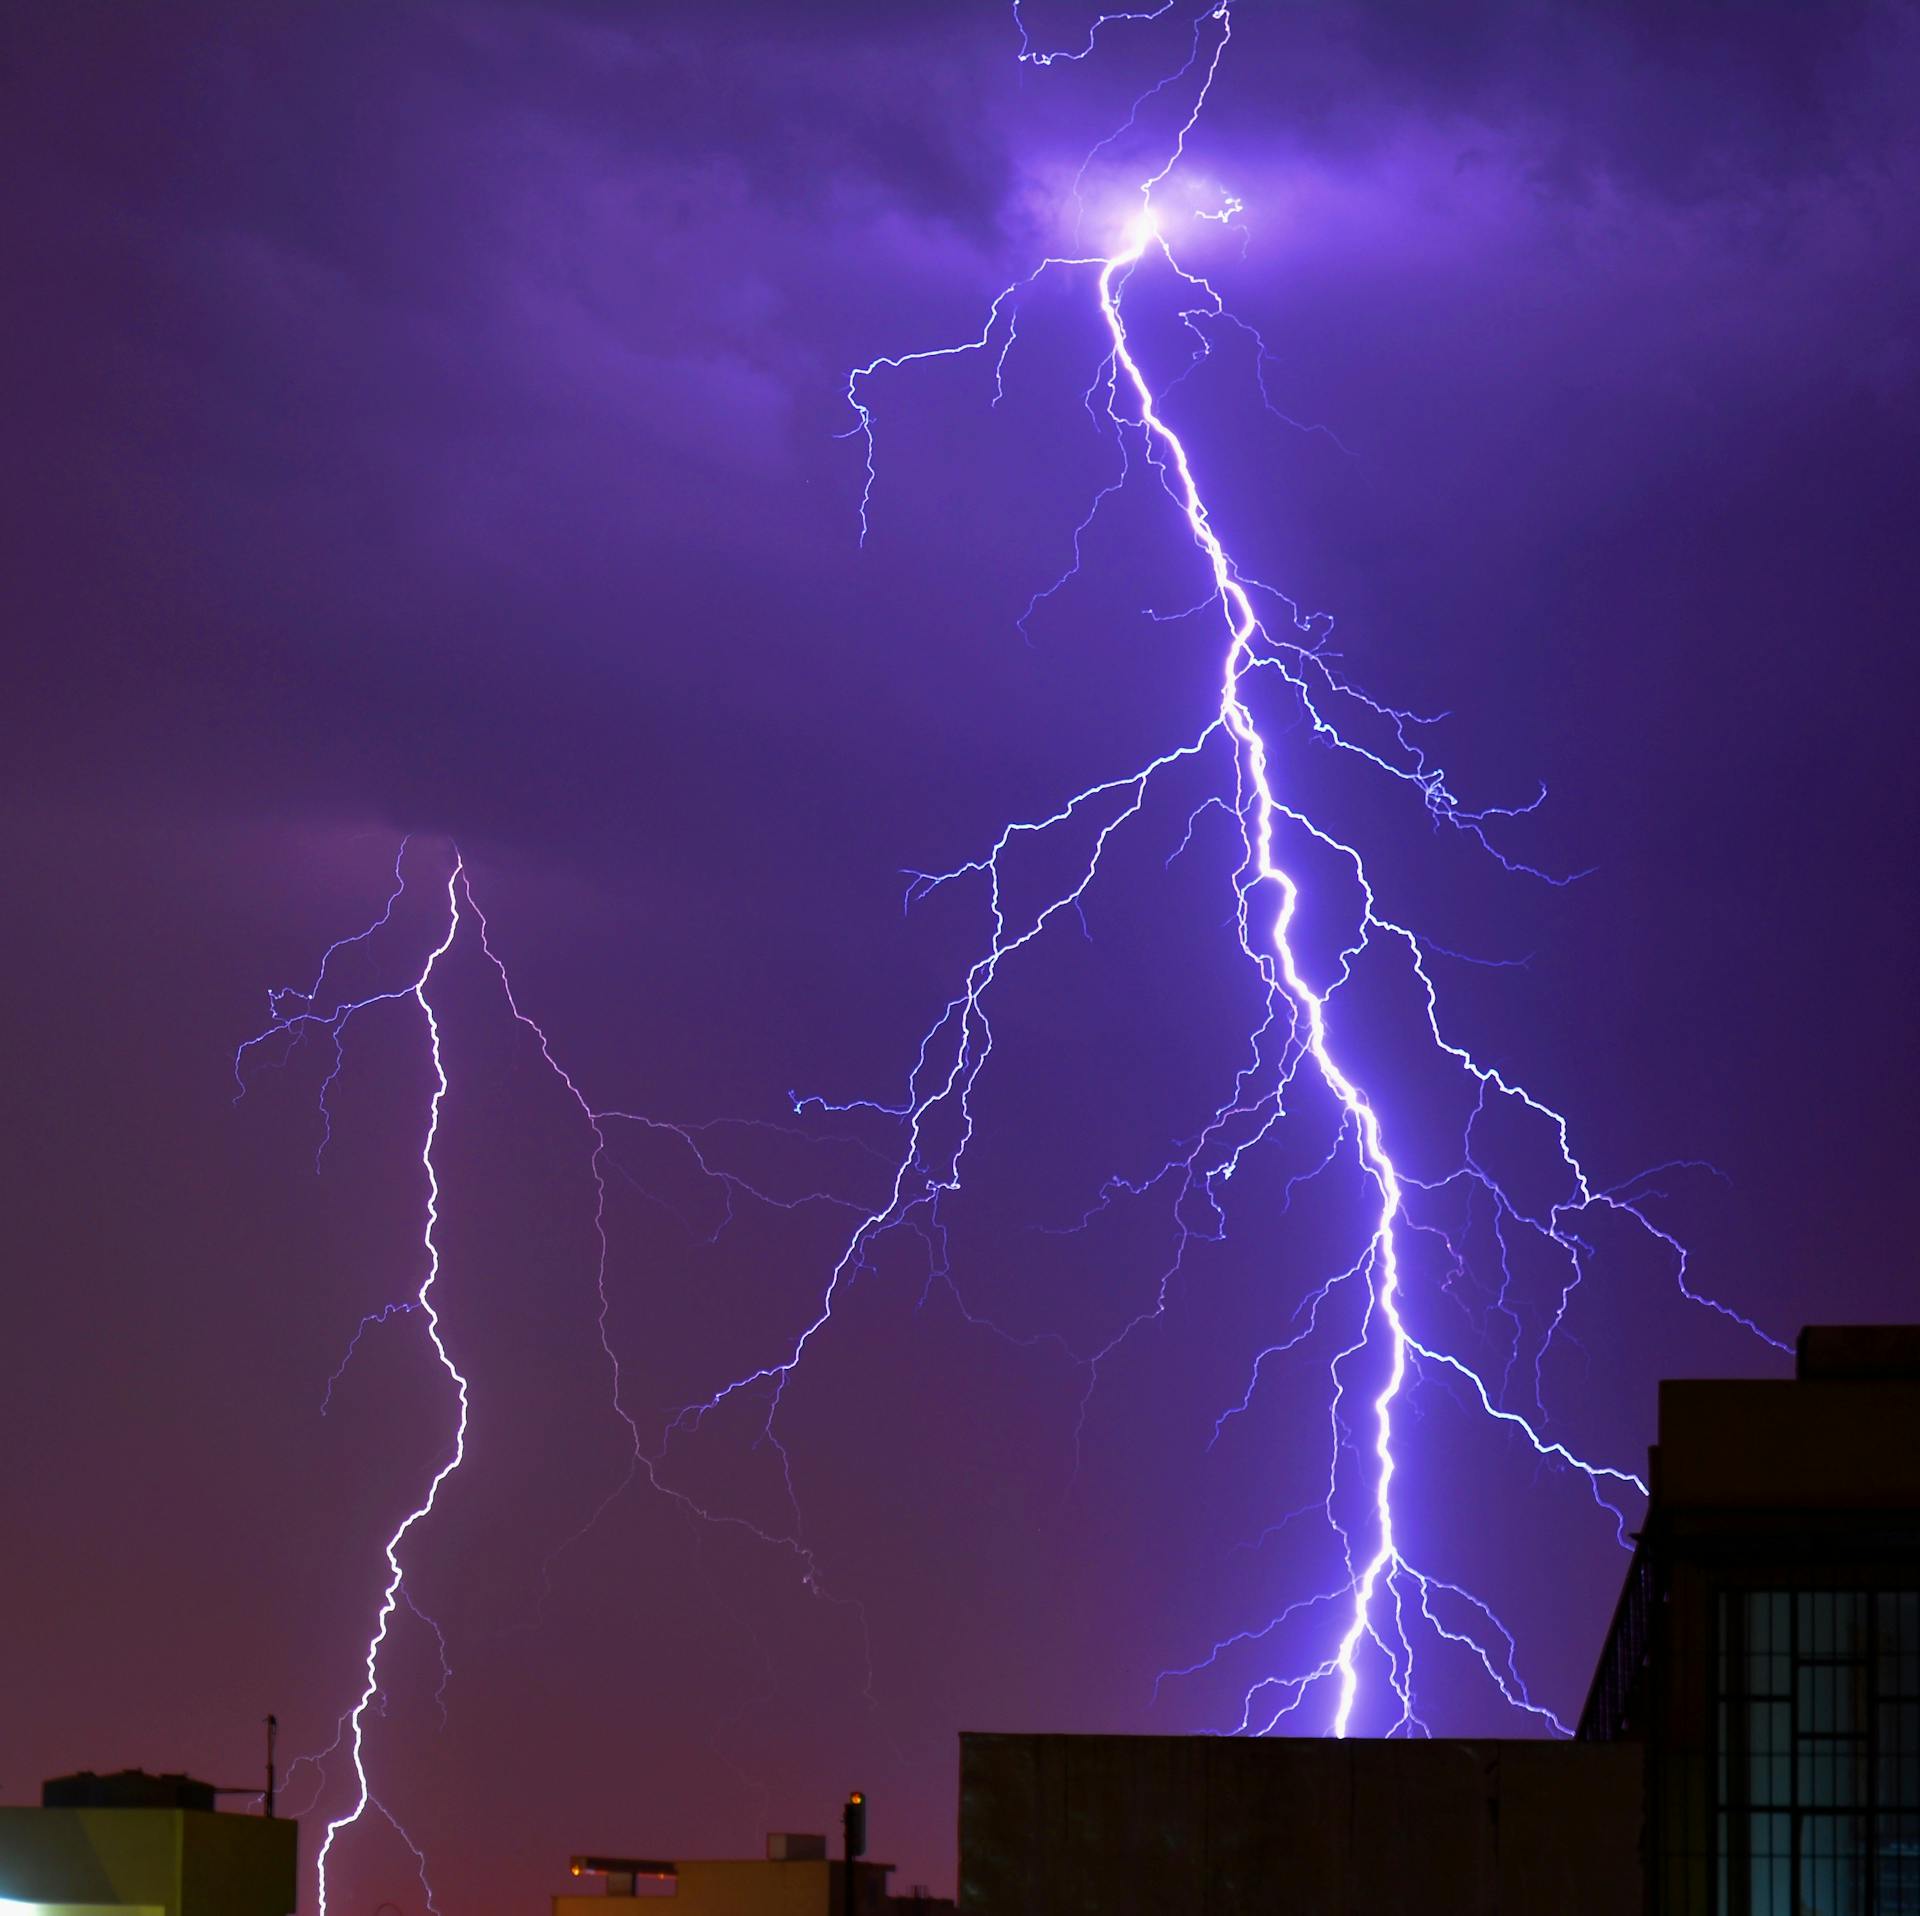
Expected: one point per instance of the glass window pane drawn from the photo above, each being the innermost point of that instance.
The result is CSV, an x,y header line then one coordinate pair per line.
x,y
1776,1899
1770,1871
1893,1621
1897,1866
1816,1700
1814,1621
1899,1727
1850,1623
1830,1856
1832,1776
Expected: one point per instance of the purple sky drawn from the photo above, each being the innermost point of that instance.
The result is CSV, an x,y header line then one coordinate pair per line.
x,y
423,420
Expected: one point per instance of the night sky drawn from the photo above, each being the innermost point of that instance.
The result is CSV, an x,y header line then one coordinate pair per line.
x,y
427,423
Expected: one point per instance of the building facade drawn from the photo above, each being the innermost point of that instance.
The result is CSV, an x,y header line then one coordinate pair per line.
x,y
135,1842
1765,1654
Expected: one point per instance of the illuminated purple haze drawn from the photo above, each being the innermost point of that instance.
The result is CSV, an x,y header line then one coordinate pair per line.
x,y
1064,1426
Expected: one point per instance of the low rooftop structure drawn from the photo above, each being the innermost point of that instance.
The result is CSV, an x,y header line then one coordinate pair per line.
x,y
134,1842
795,1878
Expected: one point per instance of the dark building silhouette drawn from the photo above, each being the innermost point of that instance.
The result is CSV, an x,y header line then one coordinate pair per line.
x,y
1230,1826
1750,1745
1765,1655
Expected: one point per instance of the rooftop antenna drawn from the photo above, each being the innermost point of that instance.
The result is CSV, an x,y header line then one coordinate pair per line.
x,y
236,1789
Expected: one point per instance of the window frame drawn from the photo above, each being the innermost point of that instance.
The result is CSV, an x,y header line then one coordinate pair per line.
x,y
1807,1675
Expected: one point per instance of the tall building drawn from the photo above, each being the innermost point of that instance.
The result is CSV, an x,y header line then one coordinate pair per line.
x,y
1765,1655
1750,1745
133,1842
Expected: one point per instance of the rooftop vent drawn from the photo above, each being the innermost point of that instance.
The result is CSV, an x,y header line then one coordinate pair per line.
x,y
784,1846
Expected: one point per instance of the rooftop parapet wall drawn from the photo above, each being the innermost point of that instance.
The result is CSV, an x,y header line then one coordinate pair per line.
x,y
1181,1825
1812,1443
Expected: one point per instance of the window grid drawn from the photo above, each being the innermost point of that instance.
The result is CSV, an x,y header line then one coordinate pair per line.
x,y
1817,1763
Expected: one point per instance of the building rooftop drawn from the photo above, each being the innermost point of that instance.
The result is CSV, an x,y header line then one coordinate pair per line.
x,y
126,1790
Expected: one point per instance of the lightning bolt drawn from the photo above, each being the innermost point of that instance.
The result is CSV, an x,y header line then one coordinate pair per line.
x,y
391,1596
322,1012
1385,1600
